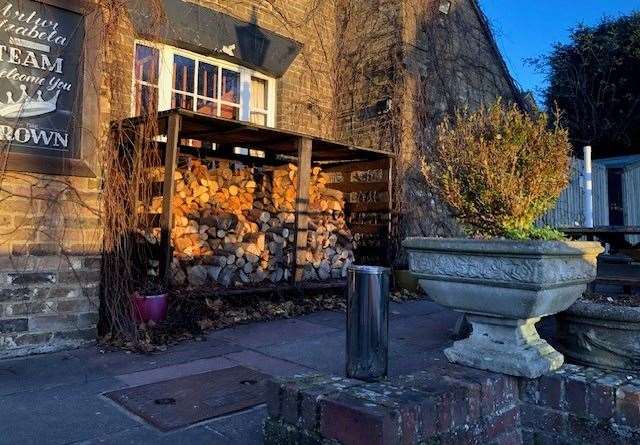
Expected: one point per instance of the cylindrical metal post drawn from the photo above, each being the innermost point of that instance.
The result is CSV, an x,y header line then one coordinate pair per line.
x,y
367,322
588,188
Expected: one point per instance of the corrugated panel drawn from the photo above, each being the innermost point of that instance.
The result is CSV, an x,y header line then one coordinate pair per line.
x,y
631,199
569,209
600,195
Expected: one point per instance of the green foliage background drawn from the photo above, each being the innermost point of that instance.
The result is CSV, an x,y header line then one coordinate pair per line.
x,y
595,81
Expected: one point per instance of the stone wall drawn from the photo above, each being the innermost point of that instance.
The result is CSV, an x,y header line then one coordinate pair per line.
x,y
49,264
451,62
450,404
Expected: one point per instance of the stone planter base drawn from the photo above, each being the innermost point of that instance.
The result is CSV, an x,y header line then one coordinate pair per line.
x,y
601,335
504,287
504,345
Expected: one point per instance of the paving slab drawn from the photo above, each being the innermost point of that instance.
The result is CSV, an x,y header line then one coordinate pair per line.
x,y
407,364
270,333
60,415
90,364
175,371
43,371
336,320
324,353
425,332
243,428
267,364
120,362
413,308
145,435
409,336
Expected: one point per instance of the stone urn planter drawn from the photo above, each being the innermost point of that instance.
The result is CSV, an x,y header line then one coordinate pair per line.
x,y
601,334
504,287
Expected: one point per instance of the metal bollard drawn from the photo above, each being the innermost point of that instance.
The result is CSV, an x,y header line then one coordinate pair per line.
x,y
367,322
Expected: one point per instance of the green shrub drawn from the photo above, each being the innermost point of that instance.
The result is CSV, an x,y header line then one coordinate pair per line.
x,y
541,233
498,169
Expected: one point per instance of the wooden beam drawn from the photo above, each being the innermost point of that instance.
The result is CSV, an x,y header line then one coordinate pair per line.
x,y
168,190
369,207
200,153
390,234
304,146
138,146
358,166
348,186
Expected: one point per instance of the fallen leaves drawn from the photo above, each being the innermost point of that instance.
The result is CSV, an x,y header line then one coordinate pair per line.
x,y
194,312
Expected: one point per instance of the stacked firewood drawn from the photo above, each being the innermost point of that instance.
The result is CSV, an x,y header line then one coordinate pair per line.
x,y
234,225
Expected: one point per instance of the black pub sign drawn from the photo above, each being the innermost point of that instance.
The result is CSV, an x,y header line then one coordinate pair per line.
x,y
40,77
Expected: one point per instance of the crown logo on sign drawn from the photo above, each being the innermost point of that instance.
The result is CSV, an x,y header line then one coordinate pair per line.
x,y
27,106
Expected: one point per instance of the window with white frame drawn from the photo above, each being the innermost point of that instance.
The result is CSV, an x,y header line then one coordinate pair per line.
x,y
166,77
145,79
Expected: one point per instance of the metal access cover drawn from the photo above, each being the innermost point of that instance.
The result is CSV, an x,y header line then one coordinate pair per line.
x,y
181,402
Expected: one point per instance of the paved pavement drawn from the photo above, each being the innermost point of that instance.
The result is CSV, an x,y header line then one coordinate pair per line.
x,y
57,398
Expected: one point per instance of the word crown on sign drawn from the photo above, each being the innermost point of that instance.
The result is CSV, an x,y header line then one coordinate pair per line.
x,y
27,106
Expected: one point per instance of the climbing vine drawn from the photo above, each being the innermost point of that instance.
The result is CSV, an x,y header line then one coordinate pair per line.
x,y
377,73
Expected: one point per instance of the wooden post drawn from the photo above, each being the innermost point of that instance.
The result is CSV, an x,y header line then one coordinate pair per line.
x,y
138,144
168,190
304,146
390,233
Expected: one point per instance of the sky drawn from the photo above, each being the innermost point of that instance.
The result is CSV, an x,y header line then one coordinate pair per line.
x,y
528,28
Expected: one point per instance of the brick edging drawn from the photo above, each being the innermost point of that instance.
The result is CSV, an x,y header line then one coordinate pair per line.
x,y
454,404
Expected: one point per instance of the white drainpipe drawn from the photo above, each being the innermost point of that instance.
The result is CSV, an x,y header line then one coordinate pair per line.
x,y
588,188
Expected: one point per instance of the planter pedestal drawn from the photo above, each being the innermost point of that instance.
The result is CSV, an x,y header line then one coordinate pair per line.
x,y
507,346
504,288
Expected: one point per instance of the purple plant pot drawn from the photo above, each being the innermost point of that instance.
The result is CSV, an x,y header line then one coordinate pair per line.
x,y
150,307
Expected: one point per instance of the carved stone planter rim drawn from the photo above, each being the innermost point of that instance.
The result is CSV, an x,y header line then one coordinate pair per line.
x,y
534,265
504,246
602,311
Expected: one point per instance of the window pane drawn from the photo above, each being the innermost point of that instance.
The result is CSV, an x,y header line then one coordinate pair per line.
x,y
230,86
229,112
146,98
258,93
207,107
147,64
183,73
182,101
207,80
258,118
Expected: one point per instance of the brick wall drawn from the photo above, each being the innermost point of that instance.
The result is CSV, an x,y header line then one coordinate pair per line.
x,y
440,405
450,404
579,405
